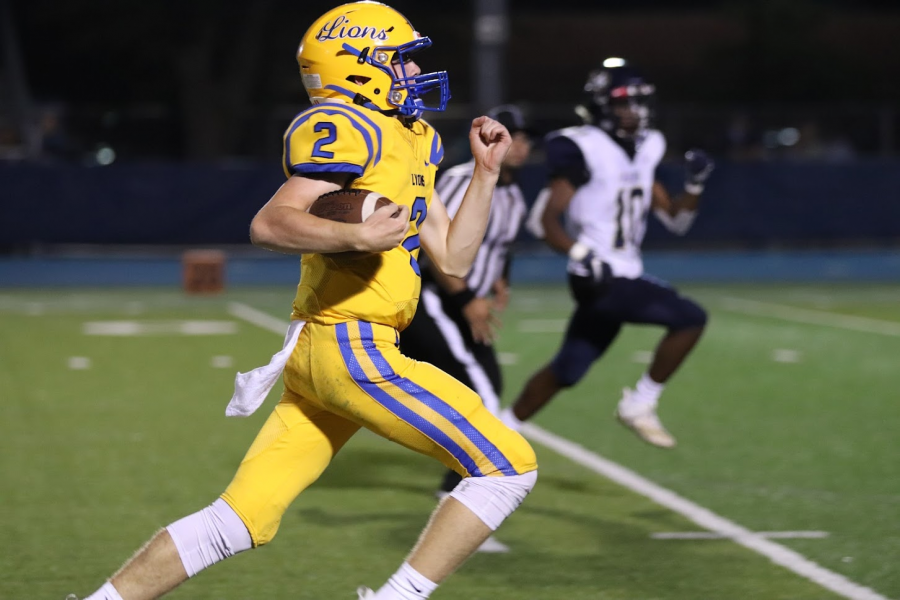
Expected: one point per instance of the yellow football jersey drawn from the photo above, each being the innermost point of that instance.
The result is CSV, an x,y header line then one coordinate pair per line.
x,y
387,157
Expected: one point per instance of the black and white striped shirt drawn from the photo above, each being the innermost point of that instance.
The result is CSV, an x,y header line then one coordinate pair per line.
x,y
507,213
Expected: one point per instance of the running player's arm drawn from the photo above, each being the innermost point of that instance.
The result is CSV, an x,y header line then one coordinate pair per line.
x,y
324,150
663,201
568,172
283,225
678,213
452,244
477,311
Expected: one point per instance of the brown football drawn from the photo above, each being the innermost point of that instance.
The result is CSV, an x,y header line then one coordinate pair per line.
x,y
348,206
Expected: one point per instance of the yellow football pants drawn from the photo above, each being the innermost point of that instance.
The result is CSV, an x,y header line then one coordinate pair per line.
x,y
350,375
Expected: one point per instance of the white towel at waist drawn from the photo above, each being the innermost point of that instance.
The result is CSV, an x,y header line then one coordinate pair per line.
x,y
251,388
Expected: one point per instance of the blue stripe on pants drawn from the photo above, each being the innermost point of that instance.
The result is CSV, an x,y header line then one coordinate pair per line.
x,y
433,402
397,408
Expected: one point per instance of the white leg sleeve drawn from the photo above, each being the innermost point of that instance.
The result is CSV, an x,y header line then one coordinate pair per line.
x,y
209,536
492,499
107,592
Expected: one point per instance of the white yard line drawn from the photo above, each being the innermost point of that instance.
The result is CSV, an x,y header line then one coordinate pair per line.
x,y
703,517
542,325
806,315
627,478
258,317
711,535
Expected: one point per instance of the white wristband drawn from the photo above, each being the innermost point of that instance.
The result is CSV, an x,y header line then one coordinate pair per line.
x,y
694,188
578,251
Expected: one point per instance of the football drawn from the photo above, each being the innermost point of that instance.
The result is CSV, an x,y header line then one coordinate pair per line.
x,y
348,206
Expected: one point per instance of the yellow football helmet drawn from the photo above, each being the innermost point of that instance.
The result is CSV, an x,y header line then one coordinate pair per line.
x,y
348,54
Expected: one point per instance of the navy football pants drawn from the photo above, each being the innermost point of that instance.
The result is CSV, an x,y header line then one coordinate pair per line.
x,y
600,314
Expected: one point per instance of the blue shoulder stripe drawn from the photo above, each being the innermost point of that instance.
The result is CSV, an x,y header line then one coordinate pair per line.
x,y
328,110
437,150
310,167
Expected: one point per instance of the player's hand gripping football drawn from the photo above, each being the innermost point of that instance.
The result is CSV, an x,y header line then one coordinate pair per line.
x,y
384,230
490,142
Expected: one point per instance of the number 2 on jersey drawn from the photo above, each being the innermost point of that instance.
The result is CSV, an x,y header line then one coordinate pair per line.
x,y
417,213
330,137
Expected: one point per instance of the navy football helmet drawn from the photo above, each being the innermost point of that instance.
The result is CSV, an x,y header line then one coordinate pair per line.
x,y
620,99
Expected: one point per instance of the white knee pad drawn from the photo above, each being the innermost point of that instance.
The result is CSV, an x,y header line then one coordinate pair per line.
x,y
208,536
492,499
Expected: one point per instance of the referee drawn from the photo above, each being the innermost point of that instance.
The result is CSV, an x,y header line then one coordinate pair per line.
x,y
456,322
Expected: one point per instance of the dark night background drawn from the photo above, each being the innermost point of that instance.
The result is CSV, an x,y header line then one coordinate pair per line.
x,y
205,80
161,122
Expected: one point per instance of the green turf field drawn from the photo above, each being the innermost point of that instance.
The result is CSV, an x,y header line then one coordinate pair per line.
x,y
787,418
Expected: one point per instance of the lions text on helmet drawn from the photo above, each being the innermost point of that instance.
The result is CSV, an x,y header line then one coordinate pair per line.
x,y
362,53
341,28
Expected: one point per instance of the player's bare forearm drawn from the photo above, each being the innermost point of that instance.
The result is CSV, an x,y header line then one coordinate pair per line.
x,y
452,245
672,206
466,230
554,233
686,201
286,229
284,225
561,193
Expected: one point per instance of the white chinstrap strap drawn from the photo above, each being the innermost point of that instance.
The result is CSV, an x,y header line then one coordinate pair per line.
x,y
251,388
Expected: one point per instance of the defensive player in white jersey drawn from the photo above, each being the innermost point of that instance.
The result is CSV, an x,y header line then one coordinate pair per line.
x,y
603,187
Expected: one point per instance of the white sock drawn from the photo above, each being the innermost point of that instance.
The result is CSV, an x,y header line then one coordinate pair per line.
x,y
107,592
510,419
406,584
645,397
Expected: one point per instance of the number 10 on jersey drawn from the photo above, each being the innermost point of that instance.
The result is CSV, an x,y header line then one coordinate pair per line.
x,y
628,224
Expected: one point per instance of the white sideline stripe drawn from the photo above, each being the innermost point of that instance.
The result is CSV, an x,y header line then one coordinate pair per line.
x,y
707,519
140,328
631,480
258,317
542,325
814,317
711,535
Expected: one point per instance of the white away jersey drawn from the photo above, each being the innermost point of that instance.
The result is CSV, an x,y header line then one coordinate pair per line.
x,y
609,212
